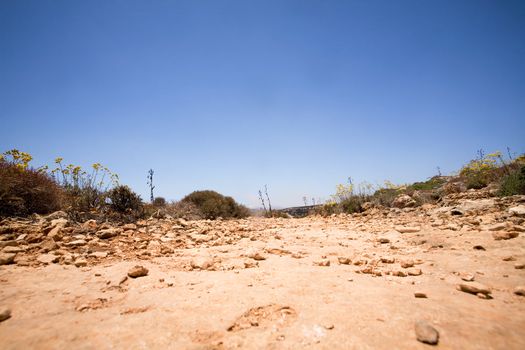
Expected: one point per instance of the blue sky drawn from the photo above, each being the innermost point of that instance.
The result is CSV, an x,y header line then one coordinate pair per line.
x,y
232,95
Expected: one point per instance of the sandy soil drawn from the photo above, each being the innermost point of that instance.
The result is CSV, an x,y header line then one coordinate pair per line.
x,y
270,290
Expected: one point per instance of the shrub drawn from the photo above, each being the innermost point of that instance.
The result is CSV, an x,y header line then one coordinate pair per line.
x,y
184,210
213,205
85,191
24,190
124,200
478,173
159,202
429,185
385,196
513,183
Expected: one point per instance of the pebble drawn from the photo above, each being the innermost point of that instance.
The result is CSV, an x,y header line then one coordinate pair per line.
x,y
520,266
425,333
138,271
420,295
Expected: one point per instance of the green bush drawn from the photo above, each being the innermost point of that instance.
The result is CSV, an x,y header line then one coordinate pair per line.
x,y
24,191
513,183
213,205
124,200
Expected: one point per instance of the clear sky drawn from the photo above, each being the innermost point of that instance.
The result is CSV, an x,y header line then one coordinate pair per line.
x,y
232,95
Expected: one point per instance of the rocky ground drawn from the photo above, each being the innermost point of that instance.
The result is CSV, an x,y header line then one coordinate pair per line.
x,y
452,275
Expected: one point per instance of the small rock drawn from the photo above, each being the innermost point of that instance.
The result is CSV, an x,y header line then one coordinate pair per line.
x,y
407,229
323,262
80,262
509,258
399,273
404,201
250,264
483,296
5,313
406,263
47,258
48,244
100,255
77,243
425,333
138,271
420,295
344,260
474,288
202,263
387,260
90,225
520,290
468,277
12,249
56,233
7,258
520,266
414,272
383,240
258,256
479,247
107,233
497,227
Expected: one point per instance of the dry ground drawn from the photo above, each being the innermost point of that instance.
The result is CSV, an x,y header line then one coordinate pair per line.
x,y
268,289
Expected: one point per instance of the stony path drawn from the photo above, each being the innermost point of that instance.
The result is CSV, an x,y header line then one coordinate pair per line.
x,y
354,282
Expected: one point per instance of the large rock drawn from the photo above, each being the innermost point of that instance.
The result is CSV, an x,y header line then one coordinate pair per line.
x,y
7,258
56,215
475,205
425,333
404,201
5,313
520,290
474,288
499,235
518,211
138,271
48,244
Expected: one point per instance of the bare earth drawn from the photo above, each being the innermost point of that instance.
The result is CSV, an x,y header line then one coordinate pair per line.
x,y
261,284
